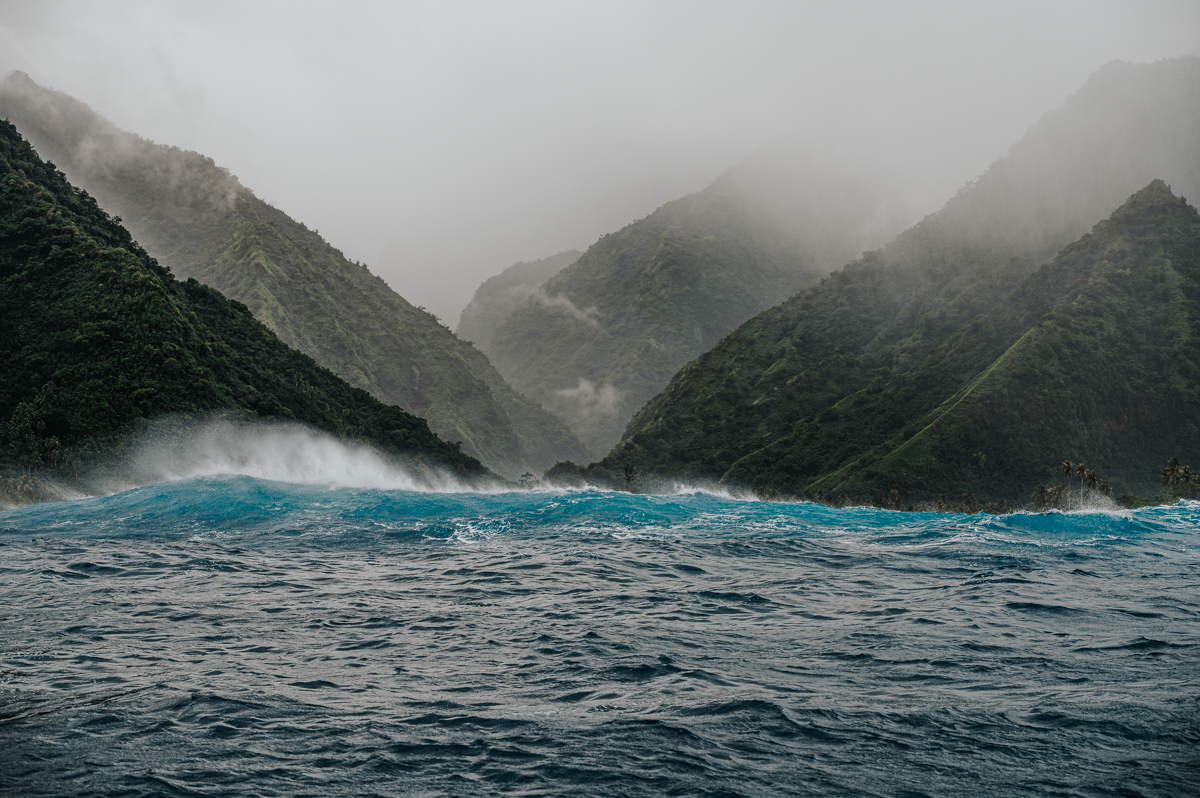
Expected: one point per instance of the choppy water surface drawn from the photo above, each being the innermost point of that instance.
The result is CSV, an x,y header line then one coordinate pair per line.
x,y
233,636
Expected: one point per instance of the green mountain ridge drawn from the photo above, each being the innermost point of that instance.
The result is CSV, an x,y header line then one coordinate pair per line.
x,y
199,221
1094,357
97,337
498,296
605,334
815,366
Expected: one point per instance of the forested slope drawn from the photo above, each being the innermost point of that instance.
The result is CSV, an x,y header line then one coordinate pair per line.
x,y
95,335
199,221
871,327
606,333
499,295
1094,358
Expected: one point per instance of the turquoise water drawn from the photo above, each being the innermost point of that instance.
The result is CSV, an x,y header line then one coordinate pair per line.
x,y
228,635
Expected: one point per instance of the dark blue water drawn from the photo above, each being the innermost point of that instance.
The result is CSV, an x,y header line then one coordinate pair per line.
x,y
224,636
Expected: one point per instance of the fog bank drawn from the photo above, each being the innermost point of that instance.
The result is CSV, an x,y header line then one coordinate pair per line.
x,y
440,143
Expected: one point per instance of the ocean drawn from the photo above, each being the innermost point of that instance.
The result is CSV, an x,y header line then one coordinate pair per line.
x,y
234,635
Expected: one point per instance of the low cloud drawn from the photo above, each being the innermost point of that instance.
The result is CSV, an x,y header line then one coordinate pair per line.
x,y
561,303
590,400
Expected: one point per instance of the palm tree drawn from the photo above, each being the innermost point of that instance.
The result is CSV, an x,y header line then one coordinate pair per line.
x,y
1092,479
1041,499
1105,488
1178,478
630,472
1067,470
1081,472
892,502
1170,474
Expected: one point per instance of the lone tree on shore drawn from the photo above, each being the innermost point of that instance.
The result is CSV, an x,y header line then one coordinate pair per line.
x,y
629,473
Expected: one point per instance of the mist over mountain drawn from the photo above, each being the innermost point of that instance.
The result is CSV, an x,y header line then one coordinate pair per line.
x,y
199,221
96,337
605,334
832,390
500,295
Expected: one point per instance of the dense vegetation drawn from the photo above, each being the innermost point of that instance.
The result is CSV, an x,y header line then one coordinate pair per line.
x,y
96,336
1095,356
498,296
199,221
605,334
851,363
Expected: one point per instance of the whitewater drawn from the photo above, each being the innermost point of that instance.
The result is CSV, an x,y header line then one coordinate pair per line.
x,y
230,634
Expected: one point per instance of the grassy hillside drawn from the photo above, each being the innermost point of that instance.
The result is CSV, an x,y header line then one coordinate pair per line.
x,y
95,335
605,334
872,326
499,296
200,222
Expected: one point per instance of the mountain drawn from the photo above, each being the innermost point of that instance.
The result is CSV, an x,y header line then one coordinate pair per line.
x,y
199,221
1094,357
96,336
606,333
806,396
500,295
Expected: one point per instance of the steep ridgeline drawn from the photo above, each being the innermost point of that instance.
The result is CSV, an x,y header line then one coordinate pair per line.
x,y
499,296
199,221
605,334
95,335
800,398
1093,357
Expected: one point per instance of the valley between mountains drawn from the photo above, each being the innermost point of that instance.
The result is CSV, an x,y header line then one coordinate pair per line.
x,y
789,330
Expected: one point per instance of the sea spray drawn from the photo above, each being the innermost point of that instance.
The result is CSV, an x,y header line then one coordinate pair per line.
x,y
277,451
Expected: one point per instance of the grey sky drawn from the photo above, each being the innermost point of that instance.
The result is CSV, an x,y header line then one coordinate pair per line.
x,y
440,142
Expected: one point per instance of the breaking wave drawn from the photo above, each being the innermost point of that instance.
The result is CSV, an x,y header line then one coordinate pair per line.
x,y
313,621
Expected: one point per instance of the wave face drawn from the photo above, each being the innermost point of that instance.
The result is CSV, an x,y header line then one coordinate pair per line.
x,y
227,636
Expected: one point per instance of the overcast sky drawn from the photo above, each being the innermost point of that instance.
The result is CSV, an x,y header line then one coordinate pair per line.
x,y
441,142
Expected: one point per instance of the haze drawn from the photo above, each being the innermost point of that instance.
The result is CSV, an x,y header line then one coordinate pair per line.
x,y
440,143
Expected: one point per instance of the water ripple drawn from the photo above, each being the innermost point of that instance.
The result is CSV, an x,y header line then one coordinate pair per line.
x,y
230,636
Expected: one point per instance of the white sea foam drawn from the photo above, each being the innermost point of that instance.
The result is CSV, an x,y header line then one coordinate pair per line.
x,y
280,452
